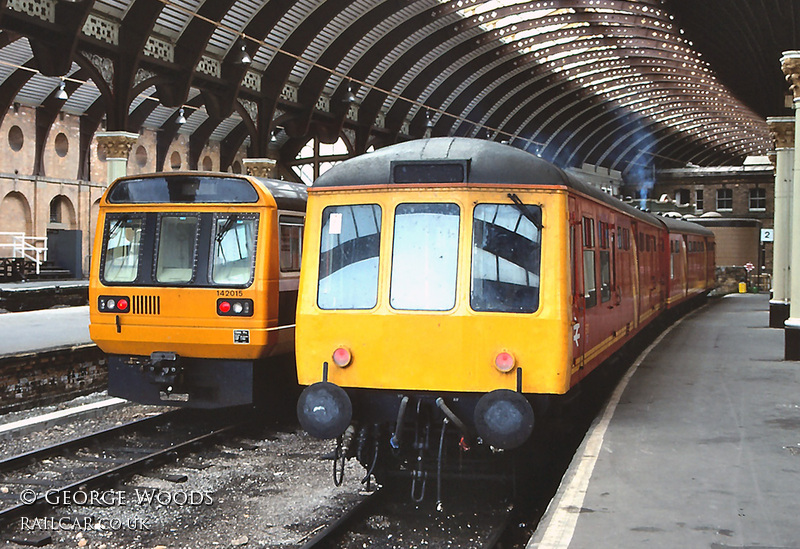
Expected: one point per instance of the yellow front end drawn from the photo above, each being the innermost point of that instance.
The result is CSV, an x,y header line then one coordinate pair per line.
x,y
187,324
453,350
183,319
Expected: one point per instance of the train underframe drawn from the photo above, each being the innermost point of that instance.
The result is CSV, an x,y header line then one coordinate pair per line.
x,y
426,440
170,379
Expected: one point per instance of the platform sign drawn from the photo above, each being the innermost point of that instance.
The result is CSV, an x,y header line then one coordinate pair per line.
x,y
767,235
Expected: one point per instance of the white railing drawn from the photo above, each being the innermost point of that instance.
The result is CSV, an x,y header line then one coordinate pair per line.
x,y
29,247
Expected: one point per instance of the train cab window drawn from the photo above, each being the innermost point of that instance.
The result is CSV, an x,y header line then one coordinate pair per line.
x,y
291,236
182,188
177,241
123,238
348,259
506,252
424,256
234,243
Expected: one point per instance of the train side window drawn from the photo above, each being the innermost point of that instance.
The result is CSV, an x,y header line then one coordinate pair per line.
x,y
589,273
588,232
672,247
605,276
348,259
425,256
123,238
589,279
604,234
506,252
291,242
234,249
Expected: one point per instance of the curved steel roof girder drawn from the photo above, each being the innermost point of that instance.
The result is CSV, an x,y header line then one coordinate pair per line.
x,y
636,136
655,76
492,36
612,105
567,59
557,33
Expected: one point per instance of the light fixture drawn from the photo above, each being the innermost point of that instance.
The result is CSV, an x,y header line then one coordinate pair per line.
x,y
349,97
181,120
244,57
273,139
429,122
61,94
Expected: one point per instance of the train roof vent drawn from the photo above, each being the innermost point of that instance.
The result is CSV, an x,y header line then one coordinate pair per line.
x,y
428,171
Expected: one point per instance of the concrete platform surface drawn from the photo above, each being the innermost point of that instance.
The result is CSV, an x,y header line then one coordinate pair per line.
x,y
700,449
42,284
46,329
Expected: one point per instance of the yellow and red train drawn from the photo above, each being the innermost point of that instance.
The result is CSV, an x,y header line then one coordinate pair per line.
x,y
194,286
456,281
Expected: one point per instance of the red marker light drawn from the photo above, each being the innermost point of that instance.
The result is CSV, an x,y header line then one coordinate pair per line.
x,y
122,304
224,306
504,362
342,357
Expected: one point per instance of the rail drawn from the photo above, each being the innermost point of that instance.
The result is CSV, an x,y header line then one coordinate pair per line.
x,y
44,493
33,248
326,535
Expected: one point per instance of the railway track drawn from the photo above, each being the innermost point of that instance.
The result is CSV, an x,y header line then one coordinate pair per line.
x,y
75,469
383,520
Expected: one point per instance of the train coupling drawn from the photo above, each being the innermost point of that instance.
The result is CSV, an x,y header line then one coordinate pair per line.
x,y
166,371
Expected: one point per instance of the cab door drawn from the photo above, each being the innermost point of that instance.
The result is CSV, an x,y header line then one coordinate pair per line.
x,y
578,287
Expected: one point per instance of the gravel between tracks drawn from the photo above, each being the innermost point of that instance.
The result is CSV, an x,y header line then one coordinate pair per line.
x,y
270,490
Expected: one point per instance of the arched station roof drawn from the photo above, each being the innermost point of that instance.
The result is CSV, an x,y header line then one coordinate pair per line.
x,y
620,84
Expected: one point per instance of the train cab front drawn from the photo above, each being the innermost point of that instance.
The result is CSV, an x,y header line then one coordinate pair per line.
x,y
183,295
181,347
426,314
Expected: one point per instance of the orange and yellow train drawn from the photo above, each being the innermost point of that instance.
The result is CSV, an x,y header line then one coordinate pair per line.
x,y
455,281
194,285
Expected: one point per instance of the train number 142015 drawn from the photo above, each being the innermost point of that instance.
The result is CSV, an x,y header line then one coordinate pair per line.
x,y
230,293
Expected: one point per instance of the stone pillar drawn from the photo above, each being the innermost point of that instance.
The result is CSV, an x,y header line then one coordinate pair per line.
x,y
117,146
259,167
783,132
790,64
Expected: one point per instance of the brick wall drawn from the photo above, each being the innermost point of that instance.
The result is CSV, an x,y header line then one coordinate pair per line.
x,y
25,200
33,379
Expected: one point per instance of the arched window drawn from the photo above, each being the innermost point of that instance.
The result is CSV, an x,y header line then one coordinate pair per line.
x,y
62,213
315,158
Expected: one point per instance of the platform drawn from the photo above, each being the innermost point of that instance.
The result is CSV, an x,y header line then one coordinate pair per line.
x,y
698,447
35,331
42,294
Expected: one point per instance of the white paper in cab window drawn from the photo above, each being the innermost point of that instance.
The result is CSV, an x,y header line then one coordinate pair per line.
x,y
335,225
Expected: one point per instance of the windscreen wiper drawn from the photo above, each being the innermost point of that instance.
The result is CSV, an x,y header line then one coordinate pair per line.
x,y
117,224
225,228
523,209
